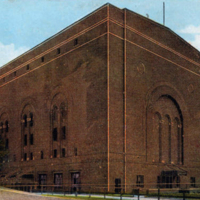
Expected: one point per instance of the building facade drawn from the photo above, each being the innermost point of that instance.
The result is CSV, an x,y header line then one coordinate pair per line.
x,y
109,102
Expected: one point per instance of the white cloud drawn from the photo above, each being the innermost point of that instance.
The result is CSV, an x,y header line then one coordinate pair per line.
x,y
194,32
196,42
191,29
9,52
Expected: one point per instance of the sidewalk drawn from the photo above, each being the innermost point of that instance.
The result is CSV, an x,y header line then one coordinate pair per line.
x,y
8,194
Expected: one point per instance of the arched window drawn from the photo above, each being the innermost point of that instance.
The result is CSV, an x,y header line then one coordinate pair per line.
x,y
159,131
179,142
169,137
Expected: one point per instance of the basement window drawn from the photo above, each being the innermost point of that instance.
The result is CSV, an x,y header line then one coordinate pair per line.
x,y
140,181
192,181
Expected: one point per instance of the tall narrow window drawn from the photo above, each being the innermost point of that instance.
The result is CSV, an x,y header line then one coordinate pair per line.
x,y
42,59
27,67
42,155
75,41
63,152
31,139
159,132
55,153
7,126
25,156
25,120
178,129
169,137
75,151
63,133
58,51
1,127
31,156
31,119
25,140
55,134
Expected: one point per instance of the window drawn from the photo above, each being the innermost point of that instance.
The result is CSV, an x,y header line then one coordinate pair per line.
x,y
58,179
75,151
58,51
178,181
7,144
4,79
55,153
192,181
31,156
31,139
25,120
27,67
31,119
42,179
25,156
42,155
25,140
7,126
55,134
63,133
14,73
63,152
117,185
75,41
1,127
42,59
140,181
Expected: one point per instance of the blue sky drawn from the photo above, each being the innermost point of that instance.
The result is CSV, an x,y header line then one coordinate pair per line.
x,y
26,23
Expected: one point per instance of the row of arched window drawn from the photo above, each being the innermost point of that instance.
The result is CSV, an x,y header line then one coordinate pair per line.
x,y
169,137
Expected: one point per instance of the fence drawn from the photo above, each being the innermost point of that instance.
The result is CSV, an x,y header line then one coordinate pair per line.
x,y
184,191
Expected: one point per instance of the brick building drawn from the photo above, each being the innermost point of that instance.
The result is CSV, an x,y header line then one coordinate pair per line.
x,y
111,100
